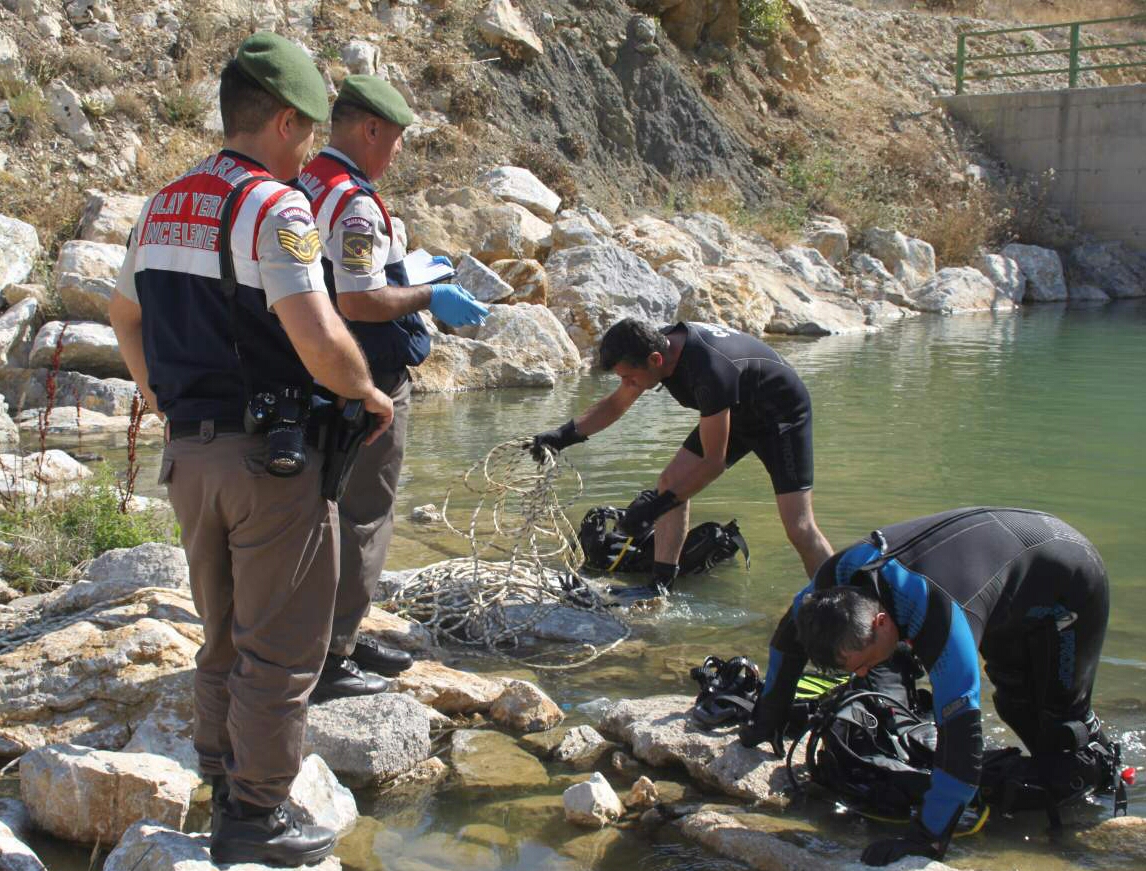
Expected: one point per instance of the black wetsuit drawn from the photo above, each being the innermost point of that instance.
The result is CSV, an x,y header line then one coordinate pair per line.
x,y
1022,587
771,412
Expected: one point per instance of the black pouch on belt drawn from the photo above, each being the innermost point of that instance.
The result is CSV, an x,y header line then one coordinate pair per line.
x,y
344,436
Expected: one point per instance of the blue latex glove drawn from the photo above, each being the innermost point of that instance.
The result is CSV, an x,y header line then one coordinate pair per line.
x,y
442,260
453,305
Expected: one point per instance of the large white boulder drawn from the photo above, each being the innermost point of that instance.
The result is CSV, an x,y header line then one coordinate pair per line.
x,y
53,466
91,678
591,287
86,347
502,23
659,242
829,236
960,289
369,739
720,245
514,184
1004,273
592,802
85,276
85,795
19,248
1043,269
109,217
28,388
912,261
813,269
18,328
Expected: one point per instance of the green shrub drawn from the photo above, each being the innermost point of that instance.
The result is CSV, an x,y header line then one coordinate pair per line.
x,y
50,540
763,20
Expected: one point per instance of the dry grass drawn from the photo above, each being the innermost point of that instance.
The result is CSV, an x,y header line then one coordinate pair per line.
x,y
159,162
553,172
55,218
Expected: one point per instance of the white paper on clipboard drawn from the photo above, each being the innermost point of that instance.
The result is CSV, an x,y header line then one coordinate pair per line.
x,y
420,268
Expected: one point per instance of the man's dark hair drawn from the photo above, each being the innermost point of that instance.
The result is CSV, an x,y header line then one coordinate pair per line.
x,y
833,621
345,112
245,105
631,341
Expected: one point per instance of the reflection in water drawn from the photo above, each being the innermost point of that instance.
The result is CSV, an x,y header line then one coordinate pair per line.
x,y
1043,409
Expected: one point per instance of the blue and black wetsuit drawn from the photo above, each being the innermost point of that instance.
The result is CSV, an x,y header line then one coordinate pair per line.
x,y
1022,587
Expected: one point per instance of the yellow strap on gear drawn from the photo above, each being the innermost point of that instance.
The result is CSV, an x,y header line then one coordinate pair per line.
x,y
621,555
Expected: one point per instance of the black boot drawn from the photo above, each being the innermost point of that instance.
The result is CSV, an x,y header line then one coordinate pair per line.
x,y
267,836
372,656
341,678
220,792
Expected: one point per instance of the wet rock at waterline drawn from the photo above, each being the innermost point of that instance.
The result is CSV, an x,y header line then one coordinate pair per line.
x,y
762,843
448,690
523,707
72,421
491,760
28,388
85,795
660,730
583,748
961,289
318,799
592,803
369,739
150,847
1043,270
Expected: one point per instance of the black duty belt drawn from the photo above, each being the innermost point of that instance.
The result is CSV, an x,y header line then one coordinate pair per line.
x,y
206,429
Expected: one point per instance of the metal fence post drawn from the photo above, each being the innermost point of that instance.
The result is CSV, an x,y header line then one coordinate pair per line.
x,y
960,59
1074,42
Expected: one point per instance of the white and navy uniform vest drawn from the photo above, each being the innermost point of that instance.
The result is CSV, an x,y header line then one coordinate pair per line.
x,y
359,242
172,272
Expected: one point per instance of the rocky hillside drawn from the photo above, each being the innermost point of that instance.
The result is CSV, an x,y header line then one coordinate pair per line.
x,y
776,165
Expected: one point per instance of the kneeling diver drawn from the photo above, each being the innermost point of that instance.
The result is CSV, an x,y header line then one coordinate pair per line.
x,y
1022,587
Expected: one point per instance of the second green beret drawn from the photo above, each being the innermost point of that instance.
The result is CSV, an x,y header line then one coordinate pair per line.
x,y
378,97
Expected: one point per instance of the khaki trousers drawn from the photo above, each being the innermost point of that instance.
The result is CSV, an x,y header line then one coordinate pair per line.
x,y
366,518
264,566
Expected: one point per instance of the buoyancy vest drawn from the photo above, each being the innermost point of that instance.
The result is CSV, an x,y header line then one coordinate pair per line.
x,y
331,184
188,332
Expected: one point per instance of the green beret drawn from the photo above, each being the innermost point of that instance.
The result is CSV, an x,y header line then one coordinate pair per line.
x,y
377,97
286,71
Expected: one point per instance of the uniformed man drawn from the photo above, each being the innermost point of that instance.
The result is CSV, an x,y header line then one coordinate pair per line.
x,y
262,549
749,399
359,242
1021,587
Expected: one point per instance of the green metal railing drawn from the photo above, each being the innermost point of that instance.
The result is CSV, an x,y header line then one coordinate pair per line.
x,y
1075,51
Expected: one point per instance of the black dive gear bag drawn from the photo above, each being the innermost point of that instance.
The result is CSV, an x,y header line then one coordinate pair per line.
x,y
608,550
872,740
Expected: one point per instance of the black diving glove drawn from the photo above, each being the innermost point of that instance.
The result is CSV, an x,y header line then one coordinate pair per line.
x,y
768,721
664,575
917,842
644,510
555,439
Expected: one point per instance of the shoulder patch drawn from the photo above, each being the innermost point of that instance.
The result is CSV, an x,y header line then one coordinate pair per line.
x,y
303,247
357,252
296,213
358,223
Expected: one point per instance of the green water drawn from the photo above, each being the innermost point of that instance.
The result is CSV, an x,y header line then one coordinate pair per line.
x,y
1045,408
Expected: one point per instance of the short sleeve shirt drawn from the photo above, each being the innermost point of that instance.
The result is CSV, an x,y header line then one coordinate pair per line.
x,y
359,248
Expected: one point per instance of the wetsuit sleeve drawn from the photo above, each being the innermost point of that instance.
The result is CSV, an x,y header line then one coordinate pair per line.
x,y
358,247
289,249
959,752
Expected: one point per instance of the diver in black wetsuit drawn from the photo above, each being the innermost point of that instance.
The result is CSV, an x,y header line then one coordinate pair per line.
x,y
1022,587
749,399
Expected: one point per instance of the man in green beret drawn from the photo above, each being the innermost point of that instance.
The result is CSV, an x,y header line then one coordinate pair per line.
x,y
363,248
260,538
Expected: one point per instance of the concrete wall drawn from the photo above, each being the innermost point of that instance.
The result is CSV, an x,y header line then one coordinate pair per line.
x,y
1093,138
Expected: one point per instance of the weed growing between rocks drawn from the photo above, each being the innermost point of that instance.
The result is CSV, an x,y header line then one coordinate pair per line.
x,y
763,20
49,541
553,172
